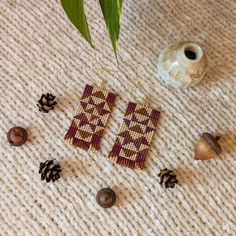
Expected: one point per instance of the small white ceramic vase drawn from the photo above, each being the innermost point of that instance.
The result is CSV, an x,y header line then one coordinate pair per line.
x,y
182,64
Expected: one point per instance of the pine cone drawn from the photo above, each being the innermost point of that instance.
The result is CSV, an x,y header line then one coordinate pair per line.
x,y
46,103
167,178
49,171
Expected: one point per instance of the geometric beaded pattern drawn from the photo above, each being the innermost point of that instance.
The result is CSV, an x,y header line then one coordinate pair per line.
x,y
90,118
135,136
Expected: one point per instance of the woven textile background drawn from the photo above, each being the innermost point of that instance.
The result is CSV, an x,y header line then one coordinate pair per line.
x,y
41,51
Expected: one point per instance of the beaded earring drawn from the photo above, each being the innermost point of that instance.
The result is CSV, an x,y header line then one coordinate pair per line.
x,y
135,135
90,119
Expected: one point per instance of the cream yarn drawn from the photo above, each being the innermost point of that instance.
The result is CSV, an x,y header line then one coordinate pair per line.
x,y
40,51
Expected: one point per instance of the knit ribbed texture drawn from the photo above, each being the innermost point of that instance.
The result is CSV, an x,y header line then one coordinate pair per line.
x,y
41,51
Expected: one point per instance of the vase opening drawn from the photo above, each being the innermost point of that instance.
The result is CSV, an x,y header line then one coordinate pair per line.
x,y
190,54
193,52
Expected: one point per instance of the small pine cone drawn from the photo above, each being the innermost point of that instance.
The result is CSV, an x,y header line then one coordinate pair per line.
x,y
46,102
167,178
49,171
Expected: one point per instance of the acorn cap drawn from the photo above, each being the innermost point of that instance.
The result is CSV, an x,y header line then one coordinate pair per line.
x,y
213,141
207,147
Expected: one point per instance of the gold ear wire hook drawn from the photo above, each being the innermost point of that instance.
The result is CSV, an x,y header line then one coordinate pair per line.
x,y
103,82
103,68
144,99
134,88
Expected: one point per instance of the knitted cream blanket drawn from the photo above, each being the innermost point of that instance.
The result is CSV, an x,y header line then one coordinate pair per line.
x,y
41,51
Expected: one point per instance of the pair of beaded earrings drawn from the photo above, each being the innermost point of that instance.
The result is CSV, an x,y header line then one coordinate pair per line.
x,y
134,137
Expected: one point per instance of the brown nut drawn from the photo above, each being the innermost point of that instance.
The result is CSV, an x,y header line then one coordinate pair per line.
x,y
17,136
106,197
207,147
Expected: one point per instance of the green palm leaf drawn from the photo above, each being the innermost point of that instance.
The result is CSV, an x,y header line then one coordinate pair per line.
x,y
112,10
75,11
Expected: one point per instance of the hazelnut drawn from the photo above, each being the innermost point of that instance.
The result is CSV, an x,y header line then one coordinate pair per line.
x,y
17,136
207,147
106,197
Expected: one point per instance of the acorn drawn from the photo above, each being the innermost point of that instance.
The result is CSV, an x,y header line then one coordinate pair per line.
x,y
207,147
17,136
106,197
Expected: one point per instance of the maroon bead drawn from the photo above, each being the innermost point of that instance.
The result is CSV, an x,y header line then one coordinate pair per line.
x,y
17,136
106,197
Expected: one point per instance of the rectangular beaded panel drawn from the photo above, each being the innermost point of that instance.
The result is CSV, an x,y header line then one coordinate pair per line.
x,y
135,136
90,119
